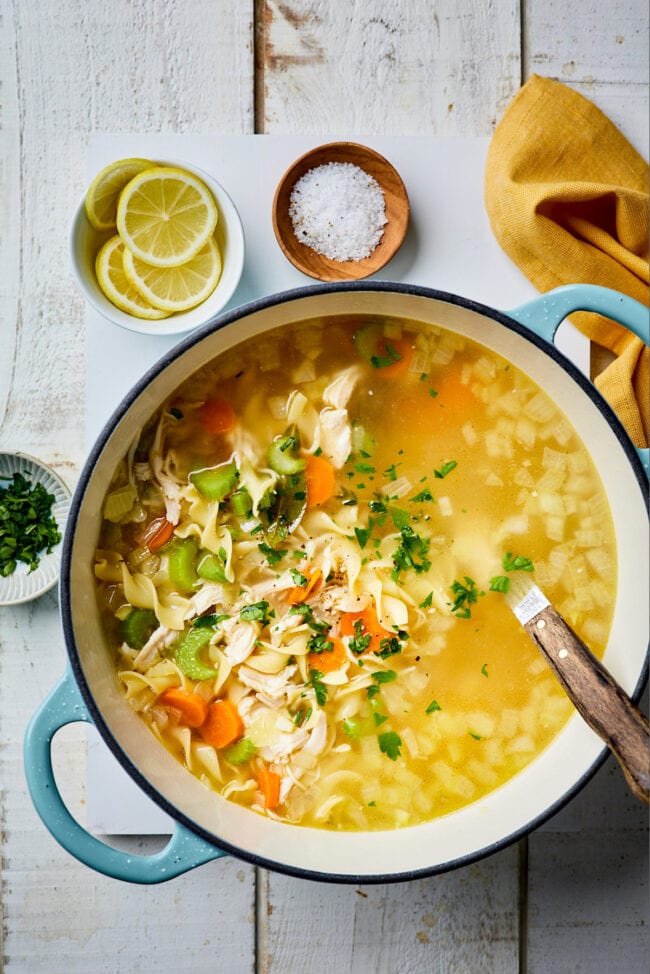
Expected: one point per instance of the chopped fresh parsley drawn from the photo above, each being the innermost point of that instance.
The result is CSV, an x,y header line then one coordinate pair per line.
x,y
427,602
433,706
382,361
364,468
389,646
384,676
390,744
379,719
500,583
209,621
272,555
433,393
257,612
302,715
28,528
377,507
466,594
391,472
359,642
484,669
445,469
297,577
424,495
412,547
477,737
316,682
363,534
400,518
319,643
517,563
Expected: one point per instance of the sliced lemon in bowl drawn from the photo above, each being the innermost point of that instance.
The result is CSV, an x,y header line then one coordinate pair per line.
x,y
165,216
104,191
176,288
109,268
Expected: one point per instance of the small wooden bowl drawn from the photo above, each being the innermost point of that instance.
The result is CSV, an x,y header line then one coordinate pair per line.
x,y
396,199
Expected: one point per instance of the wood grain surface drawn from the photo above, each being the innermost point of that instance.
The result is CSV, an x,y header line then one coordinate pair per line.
x,y
573,897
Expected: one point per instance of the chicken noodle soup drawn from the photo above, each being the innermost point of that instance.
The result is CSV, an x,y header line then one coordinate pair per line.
x,y
303,561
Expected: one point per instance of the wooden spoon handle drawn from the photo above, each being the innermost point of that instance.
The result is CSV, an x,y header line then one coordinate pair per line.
x,y
597,696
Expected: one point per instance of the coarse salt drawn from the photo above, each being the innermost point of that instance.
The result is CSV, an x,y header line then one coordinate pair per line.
x,y
339,211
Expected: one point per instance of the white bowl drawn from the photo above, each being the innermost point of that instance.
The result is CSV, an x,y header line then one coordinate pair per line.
x,y
24,585
85,243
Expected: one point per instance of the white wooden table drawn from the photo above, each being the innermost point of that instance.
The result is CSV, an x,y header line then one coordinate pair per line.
x,y
573,896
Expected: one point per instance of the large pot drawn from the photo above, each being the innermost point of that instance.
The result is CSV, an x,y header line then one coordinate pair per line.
x,y
207,825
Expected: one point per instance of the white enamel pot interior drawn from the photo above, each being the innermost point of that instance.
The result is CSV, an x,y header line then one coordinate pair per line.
x,y
457,838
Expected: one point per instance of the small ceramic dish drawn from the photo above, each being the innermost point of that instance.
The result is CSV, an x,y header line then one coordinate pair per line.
x,y
85,243
23,585
311,262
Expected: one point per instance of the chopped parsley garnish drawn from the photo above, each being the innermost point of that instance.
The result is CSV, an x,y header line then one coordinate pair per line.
x,y
319,643
316,682
390,744
359,643
379,719
466,594
517,563
27,527
424,495
433,393
412,547
477,737
302,716
209,621
272,555
382,361
384,676
389,646
391,472
445,469
364,468
298,577
363,534
400,518
500,583
257,612
484,669
377,507
433,706
427,602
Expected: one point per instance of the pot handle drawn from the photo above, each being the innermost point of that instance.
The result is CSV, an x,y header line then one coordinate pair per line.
x,y
544,314
185,850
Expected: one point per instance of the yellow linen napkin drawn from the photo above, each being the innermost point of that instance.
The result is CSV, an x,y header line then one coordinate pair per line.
x,y
567,198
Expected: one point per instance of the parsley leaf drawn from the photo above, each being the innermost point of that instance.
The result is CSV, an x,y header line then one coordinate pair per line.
x,y
359,643
257,612
208,621
391,356
433,706
517,563
500,583
272,555
445,469
411,547
390,744
424,495
297,577
427,602
466,594
389,646
315,681
484,669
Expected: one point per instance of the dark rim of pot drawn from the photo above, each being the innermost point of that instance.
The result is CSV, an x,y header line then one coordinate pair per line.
x,y
216,324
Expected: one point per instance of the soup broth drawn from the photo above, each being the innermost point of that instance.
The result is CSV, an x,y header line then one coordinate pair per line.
x,y
303,561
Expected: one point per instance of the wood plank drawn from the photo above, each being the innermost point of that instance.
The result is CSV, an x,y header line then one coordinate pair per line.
x,y
465,920
391,66
561,40
66,70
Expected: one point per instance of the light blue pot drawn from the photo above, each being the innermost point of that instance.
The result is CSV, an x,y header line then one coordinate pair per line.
x,y
209,827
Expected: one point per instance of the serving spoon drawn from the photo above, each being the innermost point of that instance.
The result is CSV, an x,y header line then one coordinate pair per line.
x,y
596,695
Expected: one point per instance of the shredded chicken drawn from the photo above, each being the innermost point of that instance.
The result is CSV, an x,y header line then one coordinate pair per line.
x,y
160,639
240,640
335,438
340,389
274,685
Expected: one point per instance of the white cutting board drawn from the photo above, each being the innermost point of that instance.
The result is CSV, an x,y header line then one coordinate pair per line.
x,y
449,246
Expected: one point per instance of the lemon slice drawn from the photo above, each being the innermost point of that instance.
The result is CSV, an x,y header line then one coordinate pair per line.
x,y
104,191
109,267
176,288
165,216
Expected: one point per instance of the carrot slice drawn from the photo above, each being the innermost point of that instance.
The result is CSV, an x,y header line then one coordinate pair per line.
x,y
223,725
299,593
192,708
370,627
217,416
269,787
157,533
326,661
320,477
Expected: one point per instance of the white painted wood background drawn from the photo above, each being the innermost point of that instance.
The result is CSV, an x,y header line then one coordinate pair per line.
x,y
573,897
